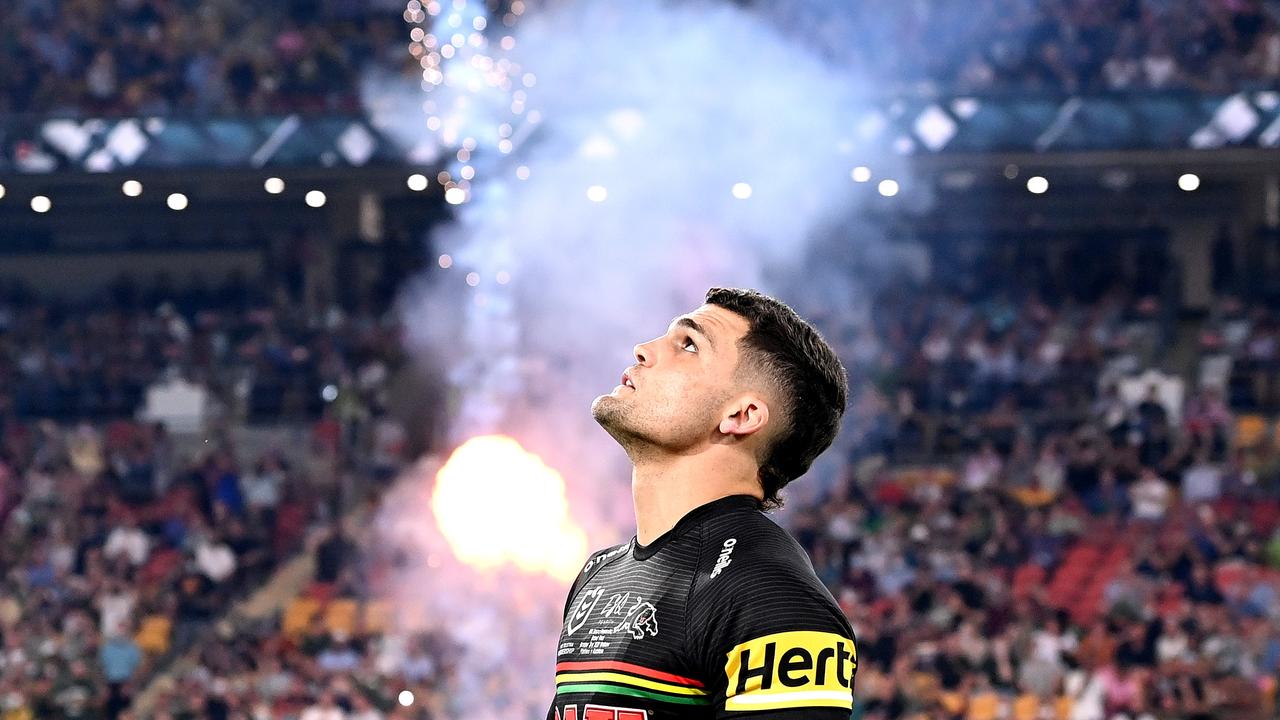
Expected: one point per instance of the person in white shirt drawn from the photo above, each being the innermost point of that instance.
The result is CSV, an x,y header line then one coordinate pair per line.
x,y
128,540
1050,471
1159,66
215,558
115,607
262,488
983,469
1173,645
1202,482
1150,496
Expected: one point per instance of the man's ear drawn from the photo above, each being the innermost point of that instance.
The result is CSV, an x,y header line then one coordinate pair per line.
x,y
747,415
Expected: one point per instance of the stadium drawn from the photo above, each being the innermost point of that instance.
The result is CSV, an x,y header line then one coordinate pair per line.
x,y
304,305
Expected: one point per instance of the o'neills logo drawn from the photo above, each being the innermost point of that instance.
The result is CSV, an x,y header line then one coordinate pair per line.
x,y
790,670
723,561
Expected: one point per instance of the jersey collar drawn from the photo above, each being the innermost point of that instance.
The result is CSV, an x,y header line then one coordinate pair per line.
x,y
729,503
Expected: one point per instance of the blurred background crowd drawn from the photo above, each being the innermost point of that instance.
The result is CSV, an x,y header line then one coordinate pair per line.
x,y
156,57
1033,514
1056,494
1053,46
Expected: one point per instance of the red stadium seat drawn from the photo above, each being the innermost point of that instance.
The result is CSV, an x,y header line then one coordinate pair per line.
x,y
1025,578
159,565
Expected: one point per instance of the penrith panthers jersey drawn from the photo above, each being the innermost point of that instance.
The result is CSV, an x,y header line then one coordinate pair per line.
x,y
721,617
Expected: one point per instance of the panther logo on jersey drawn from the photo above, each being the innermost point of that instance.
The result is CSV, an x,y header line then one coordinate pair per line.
x,y
643,618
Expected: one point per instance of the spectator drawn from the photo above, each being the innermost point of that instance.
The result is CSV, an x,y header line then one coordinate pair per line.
x,y
333,554
982,469
1150,496
127,540
1202,482
121,660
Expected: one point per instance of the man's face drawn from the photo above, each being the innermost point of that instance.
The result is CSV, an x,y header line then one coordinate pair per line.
x,y
682,381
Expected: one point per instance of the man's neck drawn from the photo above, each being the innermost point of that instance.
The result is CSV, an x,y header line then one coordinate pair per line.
x,y
666,489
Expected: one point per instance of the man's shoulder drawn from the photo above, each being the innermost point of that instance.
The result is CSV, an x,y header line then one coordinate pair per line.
x,y
748,552
600,557
752,536
607,554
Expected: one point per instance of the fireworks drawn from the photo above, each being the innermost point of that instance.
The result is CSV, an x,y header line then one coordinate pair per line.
x,y
476,92
497,503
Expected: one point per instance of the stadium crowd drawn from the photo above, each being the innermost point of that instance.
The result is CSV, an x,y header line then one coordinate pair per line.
x,y
1086,553
131,57
156,57
260,349
122,543
1240,351
1033,518
331,654
1023,529
1052,46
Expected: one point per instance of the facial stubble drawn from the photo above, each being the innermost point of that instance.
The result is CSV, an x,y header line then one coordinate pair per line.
x,y
641,432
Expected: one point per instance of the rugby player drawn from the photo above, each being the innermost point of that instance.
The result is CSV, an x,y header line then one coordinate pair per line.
x,y
712,610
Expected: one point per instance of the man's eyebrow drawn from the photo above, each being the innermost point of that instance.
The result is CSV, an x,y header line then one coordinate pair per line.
x,y
696,327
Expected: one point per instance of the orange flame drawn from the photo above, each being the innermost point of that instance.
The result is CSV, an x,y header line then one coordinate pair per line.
x,y
497,503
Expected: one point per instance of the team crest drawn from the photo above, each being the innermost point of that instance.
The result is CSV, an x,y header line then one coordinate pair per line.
x,y
586,604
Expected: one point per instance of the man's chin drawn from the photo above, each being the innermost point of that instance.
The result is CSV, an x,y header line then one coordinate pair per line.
x,y
610,413
605,409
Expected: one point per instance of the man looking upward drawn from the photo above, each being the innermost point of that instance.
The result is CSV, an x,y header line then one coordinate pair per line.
x,y
712,610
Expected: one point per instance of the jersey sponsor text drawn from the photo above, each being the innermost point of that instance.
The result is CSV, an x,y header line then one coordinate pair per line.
x,y
791,669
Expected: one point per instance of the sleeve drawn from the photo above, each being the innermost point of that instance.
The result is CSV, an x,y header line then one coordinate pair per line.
x,y
773,644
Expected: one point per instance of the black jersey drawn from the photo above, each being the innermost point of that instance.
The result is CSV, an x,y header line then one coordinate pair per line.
x,y
721,617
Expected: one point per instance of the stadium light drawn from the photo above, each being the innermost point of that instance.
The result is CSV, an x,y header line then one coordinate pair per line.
x,y
177,201
888,188
597,193
274,185
445,261
455,196
2,191
131,188
1037,185
1189,182
41,204
417,182
861,174
741,190
315,198
405,698
473,279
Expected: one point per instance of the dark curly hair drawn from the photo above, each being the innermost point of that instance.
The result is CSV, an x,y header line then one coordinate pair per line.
x,y
804,371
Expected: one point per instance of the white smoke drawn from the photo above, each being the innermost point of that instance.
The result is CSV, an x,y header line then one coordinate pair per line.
x,y
672,147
